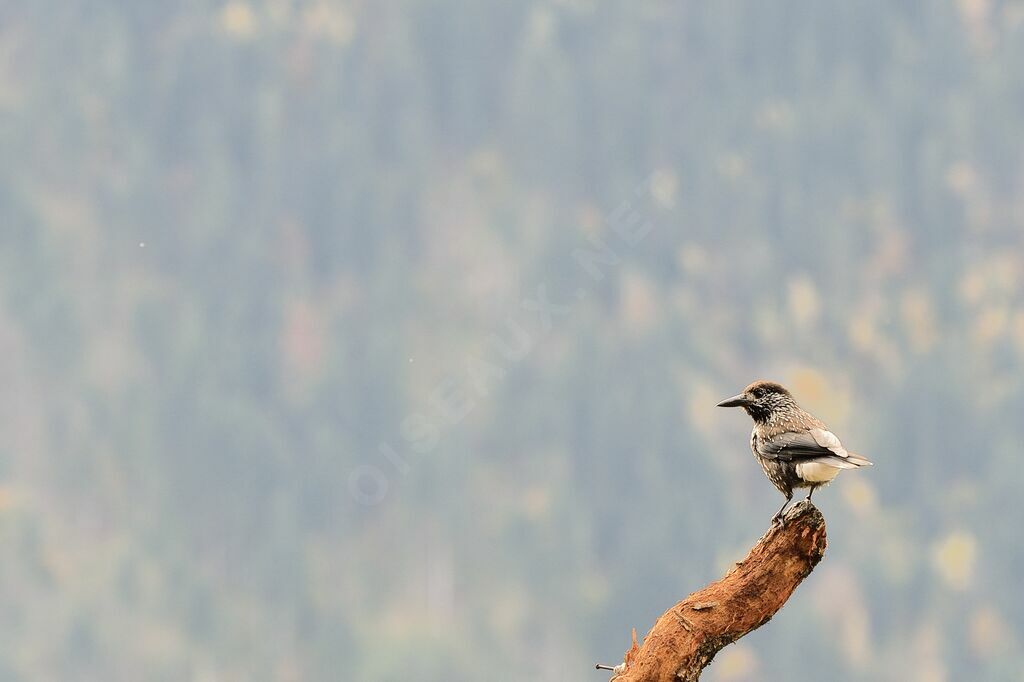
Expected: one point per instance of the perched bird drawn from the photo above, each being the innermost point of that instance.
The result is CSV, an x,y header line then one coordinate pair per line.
x,y
794,449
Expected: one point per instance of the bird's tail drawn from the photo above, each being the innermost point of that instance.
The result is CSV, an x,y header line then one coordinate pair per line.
x,y
847,461
858,460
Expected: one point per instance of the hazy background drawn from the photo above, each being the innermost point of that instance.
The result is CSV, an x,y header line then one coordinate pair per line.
x,y
273,407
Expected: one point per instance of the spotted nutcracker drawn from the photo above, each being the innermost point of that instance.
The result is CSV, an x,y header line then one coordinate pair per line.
x,y
794,449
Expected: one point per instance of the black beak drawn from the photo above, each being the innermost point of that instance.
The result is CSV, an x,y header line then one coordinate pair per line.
x,y
740,400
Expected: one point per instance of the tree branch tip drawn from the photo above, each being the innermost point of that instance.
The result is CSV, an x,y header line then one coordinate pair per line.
x,y
678,647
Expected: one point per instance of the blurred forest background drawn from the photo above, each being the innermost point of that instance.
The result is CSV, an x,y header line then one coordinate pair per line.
x,y
273,406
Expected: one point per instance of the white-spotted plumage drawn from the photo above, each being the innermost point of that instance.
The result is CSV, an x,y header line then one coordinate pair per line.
x,y
793,448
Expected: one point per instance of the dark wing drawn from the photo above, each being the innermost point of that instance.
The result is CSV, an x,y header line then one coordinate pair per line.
x,y
815,445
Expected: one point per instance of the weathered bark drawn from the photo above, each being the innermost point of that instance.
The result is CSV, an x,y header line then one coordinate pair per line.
x,y
687,636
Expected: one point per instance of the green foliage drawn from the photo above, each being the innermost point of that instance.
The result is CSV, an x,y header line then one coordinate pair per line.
x,y
245,244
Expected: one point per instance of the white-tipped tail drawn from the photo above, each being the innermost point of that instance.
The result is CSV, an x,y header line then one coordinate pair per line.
x,y
859,460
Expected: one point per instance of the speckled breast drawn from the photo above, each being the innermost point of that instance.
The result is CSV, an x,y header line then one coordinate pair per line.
x,y
782,475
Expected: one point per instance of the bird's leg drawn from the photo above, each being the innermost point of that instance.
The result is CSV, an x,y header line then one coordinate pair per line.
x,y
813,488
778,515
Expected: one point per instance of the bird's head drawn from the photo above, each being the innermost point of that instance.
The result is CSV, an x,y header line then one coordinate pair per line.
x,y
761,398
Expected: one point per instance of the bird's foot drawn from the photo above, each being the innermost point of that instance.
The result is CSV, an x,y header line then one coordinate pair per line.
x,y
779,519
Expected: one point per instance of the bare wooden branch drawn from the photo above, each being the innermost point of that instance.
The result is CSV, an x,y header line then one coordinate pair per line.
x,y
687,636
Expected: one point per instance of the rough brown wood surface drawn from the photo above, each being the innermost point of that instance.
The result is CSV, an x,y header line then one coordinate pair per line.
x,y
687,636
